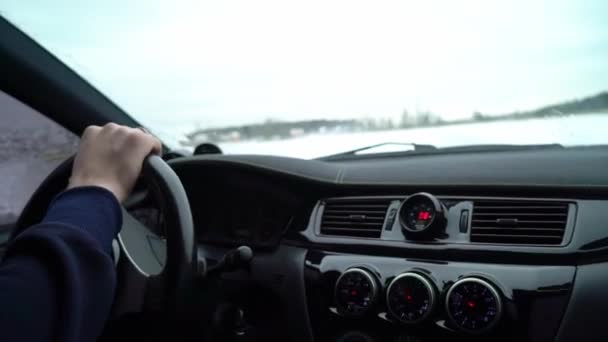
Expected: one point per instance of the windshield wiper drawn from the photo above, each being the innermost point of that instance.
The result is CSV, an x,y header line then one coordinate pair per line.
x,y
380,150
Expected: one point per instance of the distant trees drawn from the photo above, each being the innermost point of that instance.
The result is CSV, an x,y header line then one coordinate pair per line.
x,y
597,103
477,116
276,129
406,120
592,104
420,119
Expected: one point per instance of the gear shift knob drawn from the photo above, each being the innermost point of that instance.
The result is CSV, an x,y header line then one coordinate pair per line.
x,y
233,260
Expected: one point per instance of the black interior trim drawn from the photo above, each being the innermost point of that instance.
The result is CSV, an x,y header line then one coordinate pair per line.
x,y
585,318
285,270
314,180
564,173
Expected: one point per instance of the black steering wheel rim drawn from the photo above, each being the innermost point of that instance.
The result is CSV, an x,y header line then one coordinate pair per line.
x,y
181,262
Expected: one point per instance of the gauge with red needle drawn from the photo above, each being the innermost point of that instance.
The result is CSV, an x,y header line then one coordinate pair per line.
x,y
473,305
356,291
410,298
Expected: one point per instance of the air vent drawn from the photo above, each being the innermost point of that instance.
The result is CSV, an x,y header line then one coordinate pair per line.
x,y
519,222
354,217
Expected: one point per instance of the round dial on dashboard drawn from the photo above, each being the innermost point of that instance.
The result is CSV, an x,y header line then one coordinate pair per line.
x,y
410,298
421,214
473,305
356,291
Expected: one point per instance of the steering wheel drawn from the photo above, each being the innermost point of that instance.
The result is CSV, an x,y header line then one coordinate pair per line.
x,y
165,290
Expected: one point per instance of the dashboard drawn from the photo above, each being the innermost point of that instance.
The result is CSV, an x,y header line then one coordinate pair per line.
x,y
468,246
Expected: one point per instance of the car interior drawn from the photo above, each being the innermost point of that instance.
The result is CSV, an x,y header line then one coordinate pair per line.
x,y
507,245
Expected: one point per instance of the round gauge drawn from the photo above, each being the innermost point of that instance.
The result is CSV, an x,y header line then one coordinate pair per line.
x,y
473,305
421,213
355,292
410,298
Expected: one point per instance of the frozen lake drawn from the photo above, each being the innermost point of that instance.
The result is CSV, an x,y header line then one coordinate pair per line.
x,y
589,129
21,174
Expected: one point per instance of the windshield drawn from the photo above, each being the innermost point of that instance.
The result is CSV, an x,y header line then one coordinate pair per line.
x,y
313,78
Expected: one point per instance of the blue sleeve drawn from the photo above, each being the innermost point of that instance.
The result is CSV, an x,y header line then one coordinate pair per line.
x,y
57,279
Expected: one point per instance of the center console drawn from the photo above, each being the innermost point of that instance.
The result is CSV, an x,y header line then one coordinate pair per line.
x,y
363,298
442,279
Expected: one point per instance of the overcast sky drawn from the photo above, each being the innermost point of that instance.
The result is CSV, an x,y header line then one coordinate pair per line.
x,y
178,63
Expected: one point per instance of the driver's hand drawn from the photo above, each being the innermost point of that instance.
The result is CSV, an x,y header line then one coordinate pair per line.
x,y
112,157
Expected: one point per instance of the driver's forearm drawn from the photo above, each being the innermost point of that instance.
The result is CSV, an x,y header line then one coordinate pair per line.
x,y
57,279
92,209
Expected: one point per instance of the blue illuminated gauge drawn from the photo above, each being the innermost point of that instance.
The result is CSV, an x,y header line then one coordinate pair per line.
x,y
410,298
473,305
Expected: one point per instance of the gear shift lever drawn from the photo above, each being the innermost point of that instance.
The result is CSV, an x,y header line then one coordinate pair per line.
x,y
233,260
228,323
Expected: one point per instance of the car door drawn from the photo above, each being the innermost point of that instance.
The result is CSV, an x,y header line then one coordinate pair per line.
x,y
31,146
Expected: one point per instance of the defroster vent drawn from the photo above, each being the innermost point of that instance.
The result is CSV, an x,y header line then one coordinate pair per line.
x,y
354,217
520,222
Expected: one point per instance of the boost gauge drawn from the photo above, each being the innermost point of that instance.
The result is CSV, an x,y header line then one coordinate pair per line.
x,y
410,298
421,214
473,305
356,291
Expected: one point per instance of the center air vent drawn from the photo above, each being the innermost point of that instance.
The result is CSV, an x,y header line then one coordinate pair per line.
x,y
519,222
354,217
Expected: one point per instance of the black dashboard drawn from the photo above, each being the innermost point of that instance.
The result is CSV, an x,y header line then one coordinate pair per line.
x,y
463,246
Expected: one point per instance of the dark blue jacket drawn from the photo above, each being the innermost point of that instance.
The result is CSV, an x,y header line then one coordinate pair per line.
x,y
57,279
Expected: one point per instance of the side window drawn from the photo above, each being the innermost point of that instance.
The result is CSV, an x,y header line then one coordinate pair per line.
x,y
31,146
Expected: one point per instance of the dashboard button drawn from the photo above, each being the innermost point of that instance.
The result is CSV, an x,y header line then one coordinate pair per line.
x,y
464,221
390,218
